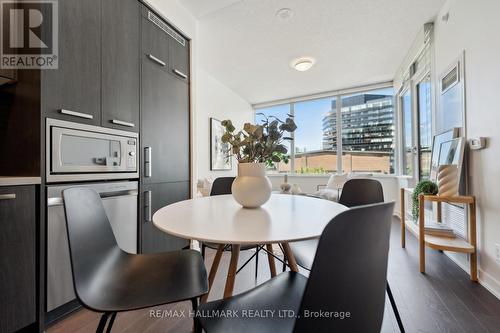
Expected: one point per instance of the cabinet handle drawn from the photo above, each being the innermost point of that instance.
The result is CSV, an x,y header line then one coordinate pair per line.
x,y
179,73
147,206
10,196
158,61
77,114
147,162
122,123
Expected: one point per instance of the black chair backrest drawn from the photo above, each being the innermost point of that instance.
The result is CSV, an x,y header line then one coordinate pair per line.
x,y
91,239
349,273
222,185
360,191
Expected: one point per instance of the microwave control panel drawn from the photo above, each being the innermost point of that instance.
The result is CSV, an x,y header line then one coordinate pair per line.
x,y
131,154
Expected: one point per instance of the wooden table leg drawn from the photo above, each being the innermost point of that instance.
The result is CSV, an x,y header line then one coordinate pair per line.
x,y
421,233
231,272
270,258
213,271
472,240
290,257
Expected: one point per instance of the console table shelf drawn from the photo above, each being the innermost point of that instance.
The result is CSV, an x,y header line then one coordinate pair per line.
x,y
438,242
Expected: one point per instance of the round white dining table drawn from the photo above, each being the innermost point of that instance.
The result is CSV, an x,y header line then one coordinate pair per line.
x,y
220,219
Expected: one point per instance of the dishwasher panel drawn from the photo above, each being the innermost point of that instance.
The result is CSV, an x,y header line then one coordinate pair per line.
x,y
120,202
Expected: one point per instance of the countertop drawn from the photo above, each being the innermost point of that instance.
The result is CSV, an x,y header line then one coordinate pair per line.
x,y
13,181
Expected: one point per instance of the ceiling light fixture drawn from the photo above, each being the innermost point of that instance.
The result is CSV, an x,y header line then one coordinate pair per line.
x,y
302,64
284,14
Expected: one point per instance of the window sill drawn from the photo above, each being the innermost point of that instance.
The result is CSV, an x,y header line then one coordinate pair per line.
x,y
327,175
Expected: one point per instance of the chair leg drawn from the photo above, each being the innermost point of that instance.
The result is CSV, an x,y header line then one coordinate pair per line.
x,y
257,263
111,322
395,309
196,323
102,323
203,251
284,257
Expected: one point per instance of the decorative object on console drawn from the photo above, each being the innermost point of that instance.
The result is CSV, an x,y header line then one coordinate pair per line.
x,y
296,189
447,180
438,229
436,147
256,146
219,160
424,187
285,187
450,162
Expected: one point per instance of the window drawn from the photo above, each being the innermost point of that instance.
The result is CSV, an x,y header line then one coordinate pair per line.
x,y
367,133
425,126
315,138
407,134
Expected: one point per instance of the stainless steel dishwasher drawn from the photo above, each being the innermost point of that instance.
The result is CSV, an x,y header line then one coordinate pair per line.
x,y
120,203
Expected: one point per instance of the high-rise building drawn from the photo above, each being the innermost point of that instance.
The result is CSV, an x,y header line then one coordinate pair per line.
x,y
367,124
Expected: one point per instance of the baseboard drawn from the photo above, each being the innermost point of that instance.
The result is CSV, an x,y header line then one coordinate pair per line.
x,y
490,283
484,279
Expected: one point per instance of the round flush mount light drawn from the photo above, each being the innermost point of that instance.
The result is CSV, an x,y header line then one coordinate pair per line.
x,y
302,64
284,14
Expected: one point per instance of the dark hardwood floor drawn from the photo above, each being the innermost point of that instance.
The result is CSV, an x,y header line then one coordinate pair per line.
x,y
443,300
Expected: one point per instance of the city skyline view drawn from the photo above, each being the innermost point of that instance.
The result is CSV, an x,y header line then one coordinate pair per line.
x,y
367,133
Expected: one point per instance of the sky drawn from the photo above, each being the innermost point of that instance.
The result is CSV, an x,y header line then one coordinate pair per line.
x,y
309,118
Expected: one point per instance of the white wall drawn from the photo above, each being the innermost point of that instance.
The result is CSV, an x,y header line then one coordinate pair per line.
x,y
474,26
209,97
215,100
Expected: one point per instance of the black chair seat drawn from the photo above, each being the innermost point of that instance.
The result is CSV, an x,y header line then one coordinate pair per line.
x,y
134,281
284,292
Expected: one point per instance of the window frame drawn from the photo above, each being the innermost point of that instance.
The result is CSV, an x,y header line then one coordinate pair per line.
x,y
337,94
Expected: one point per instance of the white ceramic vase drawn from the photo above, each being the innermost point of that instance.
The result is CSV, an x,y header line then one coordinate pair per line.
x,y
251,188
447,180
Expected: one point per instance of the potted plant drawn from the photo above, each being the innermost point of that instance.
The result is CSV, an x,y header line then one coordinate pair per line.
x,y
425,187
255,147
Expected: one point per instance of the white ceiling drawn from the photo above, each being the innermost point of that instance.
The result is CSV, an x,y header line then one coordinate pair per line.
x,y
200,8
355,42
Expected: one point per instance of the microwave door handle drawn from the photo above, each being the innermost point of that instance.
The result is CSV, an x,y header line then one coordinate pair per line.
x,y
148,162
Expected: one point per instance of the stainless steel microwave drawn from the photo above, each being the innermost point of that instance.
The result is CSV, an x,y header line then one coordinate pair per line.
x,y
79,152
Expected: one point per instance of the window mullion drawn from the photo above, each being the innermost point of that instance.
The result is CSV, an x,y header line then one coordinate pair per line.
x,y
292,143
339,133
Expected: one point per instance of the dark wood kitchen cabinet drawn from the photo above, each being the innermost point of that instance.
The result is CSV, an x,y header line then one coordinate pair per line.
x,y
17,260
155,42
156,196
179,59
76,84
121,64
165,135
165,125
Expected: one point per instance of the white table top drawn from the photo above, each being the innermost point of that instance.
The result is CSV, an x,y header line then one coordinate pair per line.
x,y
220,219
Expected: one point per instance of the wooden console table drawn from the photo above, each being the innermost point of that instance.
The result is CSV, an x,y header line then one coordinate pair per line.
x,y
437,242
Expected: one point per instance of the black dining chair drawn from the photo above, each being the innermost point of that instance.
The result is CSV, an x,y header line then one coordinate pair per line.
x,y
345,291
355,192
109,280
221,186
